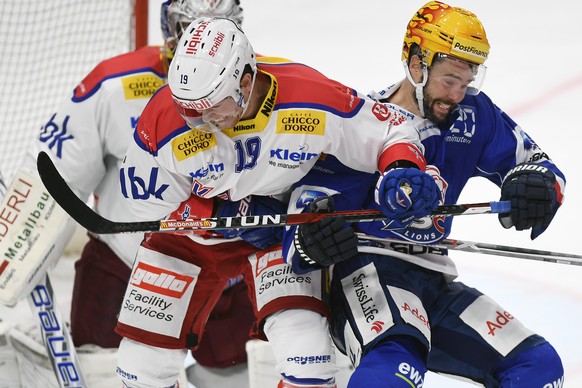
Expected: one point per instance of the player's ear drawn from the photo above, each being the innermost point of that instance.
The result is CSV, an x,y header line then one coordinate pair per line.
x,y
415,67
246,81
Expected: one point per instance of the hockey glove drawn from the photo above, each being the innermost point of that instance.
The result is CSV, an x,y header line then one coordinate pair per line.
x,y
405,194
253,206
534,200
327,241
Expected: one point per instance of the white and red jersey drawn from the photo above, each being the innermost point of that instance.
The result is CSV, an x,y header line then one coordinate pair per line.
x,y
88,135
303,116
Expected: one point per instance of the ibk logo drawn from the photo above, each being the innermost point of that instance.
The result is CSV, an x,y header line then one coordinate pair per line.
x,y
139,188
55,135
160,281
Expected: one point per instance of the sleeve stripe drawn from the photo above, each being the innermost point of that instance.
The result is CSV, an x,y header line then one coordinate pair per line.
x,y
401,151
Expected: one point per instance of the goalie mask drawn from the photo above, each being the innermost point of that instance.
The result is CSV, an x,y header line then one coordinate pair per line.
x,y
177,14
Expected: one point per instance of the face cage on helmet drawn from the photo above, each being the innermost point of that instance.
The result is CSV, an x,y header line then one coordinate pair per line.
x,y
479,72
178,19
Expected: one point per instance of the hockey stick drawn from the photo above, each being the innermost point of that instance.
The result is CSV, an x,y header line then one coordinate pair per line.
x,y
56,336
488,249
95,223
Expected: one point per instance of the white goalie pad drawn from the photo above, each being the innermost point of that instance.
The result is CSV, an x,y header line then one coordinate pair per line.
x,y
34,231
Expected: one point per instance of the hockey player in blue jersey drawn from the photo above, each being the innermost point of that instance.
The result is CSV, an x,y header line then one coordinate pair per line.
x,y
397,310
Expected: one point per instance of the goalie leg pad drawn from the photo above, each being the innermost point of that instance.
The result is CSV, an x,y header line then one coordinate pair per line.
x,y
33,362
34,231
302,346
9,373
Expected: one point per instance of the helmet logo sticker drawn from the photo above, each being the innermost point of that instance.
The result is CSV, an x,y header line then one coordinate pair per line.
x,y
196,38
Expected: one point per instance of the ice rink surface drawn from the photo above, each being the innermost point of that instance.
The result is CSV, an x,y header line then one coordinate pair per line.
x,y
534,74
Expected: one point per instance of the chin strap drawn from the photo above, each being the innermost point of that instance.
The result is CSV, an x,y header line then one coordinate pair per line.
x,y
419,87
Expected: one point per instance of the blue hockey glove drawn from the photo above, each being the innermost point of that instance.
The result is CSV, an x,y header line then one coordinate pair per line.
x,y
253,206
405,194
531,190
327,241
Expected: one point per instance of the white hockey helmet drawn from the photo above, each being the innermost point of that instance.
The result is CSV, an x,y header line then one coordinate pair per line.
x,y
177,14
212,56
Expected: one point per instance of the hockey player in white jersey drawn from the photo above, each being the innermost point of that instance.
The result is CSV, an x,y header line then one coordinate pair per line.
x,y
397,309
229,126
87,137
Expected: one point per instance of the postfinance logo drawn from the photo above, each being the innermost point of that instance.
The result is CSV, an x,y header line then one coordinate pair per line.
x,y
191,143
141,86
306,122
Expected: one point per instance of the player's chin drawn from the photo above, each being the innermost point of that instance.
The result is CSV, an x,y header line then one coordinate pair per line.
x,y
438,115
228,122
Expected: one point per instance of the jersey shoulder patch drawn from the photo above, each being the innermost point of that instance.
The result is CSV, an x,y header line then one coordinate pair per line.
x,y
145,60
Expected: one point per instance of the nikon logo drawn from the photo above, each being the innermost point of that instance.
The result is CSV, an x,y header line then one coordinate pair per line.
x,y
243,127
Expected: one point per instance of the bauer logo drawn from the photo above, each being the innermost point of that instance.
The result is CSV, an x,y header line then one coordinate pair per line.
x,y
160,281
301,122
191,143
141,86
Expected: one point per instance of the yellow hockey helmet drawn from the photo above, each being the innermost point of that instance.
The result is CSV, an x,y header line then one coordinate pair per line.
x,y
440,28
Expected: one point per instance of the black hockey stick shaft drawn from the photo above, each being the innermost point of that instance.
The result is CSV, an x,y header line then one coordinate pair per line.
x,y
488,249
95,223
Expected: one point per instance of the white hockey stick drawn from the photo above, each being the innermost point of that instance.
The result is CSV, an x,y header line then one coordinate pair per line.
x,y
485,248
56,336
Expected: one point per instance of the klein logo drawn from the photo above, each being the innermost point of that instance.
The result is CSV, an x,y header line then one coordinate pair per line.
x,y
203,172
160,281
284,154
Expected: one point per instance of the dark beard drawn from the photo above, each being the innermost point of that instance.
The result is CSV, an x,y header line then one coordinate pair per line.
x,y
428,103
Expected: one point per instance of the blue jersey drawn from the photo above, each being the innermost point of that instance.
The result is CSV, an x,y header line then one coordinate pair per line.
x,y
478,140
